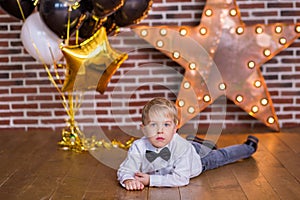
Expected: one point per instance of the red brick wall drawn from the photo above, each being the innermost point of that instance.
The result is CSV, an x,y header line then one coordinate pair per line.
x,y
29,101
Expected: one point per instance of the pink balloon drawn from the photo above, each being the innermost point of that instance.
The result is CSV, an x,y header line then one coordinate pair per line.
x,y
39,41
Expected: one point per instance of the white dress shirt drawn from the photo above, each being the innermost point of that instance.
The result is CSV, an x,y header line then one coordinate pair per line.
x,y
183,164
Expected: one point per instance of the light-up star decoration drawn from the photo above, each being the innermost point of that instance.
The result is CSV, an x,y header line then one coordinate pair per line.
x,y
235,49
91,64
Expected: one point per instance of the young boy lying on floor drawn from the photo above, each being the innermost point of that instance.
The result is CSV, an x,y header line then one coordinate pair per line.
x,y
163,158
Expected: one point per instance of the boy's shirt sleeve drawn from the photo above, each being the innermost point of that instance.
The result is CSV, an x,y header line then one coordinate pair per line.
x,y
130,165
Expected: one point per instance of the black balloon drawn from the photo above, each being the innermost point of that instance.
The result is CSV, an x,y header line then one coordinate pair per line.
x,y
110,25
86,5
89,26
132,12
12,7
103,8
55,13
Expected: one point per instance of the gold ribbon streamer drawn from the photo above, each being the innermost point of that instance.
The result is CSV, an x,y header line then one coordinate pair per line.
x,y
21,10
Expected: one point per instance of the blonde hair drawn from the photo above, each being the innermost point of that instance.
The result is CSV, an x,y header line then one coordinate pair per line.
x,y
159,106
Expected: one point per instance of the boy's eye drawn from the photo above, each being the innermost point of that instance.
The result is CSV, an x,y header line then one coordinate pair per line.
x,y
167,124
153,125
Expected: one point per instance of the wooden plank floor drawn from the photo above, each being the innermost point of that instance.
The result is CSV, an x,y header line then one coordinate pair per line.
x,y
32,167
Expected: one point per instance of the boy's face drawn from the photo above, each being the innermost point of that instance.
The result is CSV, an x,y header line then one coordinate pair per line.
x,y
160,130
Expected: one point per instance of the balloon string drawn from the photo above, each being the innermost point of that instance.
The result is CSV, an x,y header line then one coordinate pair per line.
x,y
21,10
78,101
71,111
64,102
68,25
77,36
55,65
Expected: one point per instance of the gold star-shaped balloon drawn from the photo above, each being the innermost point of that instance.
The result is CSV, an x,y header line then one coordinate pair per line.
x,y
222,56
92,63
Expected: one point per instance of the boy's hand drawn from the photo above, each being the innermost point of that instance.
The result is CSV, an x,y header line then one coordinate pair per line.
x,y
143,178
133,184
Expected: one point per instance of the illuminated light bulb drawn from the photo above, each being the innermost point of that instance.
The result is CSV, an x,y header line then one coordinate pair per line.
x,y
144,32
181,103
186,85
206,98
233,12
254,109
240,30
239,98
160,43
163,32
282,41
259,30
271,120
267,52
191,109
264,102
222,86
297,28
251,64
183,32
278,29
192,66
176,54
203,31
257,84
208,12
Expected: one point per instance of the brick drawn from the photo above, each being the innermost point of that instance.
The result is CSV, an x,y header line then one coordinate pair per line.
x,y
22,59
51,105
11,114
11,67
53,121
3,107
290,124
178,15
279,69
11,83
292,108
282,101
290,93
23,90
163,9
25,106
24,121
4,75
23,75
292,76
280,5
38,114
251,6
264,13
38,98
3,60
11,98
4,122
290,13
37,82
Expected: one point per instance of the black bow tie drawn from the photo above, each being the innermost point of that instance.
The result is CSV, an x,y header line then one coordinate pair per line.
x,y
164,154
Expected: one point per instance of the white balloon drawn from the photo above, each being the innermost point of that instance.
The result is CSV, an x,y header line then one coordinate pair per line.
x,y
39,41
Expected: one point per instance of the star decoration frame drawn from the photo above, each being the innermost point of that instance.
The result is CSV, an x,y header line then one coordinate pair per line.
x,y
237,50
